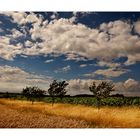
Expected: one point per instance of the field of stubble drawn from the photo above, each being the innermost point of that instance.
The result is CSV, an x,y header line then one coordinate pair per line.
x,y
22,114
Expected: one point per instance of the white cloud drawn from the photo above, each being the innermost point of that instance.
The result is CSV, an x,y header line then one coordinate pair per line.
x,y
75,57
110,72
48,61
83,65
132,59
54,15
132,85
16,34
13,79
7,50
73,19
64,69
112,40
80,84
37,29
77,15
62,36
18,17
117,27
90,75
28,43
67,68
23,18
137,27
108,64
83,84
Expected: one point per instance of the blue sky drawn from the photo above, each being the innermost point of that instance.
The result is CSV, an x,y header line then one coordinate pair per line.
x,y
37,47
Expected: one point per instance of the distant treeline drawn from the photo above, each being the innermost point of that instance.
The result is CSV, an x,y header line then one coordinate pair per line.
x,y
89,100
10,94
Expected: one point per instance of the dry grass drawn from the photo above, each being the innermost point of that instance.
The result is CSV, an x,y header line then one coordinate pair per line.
x,y
17,114
41,115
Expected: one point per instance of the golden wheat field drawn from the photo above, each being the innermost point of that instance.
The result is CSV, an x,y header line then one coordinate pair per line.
x,y
22,114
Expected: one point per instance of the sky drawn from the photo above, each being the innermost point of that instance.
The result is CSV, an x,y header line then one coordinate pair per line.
x,y
79,47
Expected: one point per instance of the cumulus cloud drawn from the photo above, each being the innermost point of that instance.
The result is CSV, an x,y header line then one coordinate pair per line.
x,y
111,72
132,59
116,28
80,84
132,85
62,36
28,43
17,17
75,57
108,64
13,79
16,34
23,18
137,27
7,50
111,40
108,73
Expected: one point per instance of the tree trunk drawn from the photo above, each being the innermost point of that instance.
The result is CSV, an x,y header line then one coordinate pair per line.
x,y
32,100
52,101
98,103
61,98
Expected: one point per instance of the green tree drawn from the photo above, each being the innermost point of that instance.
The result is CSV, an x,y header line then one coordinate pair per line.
x,y
102,90
57,89
33,93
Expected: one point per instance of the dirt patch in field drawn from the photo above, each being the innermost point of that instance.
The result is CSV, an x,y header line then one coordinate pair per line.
x,y
28,118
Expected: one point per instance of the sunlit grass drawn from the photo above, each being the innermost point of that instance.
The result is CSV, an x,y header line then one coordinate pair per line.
x,y
108,117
